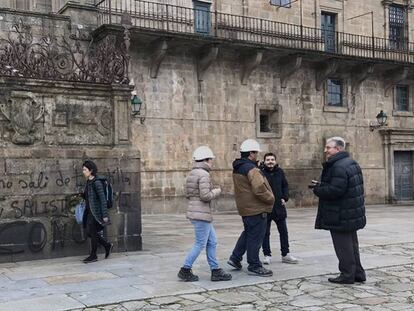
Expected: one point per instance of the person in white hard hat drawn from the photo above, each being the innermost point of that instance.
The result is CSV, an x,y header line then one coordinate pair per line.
x,y
254,200
200,192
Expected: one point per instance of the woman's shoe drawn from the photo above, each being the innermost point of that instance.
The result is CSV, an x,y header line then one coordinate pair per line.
x,y
108,250
90,259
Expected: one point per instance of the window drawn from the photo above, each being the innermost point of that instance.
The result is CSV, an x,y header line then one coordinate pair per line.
x,y
398,24
402,97
264,121
284,3
334,92
268,121
328,21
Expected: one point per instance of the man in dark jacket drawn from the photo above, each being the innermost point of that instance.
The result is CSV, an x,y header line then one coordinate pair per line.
x,y
254,199
277,180
341,208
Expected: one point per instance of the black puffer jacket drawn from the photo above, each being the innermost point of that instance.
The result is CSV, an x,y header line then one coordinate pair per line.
x,y
280,188
341,195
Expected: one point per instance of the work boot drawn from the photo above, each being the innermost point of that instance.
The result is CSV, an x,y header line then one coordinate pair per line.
x,y
235,264
259,271
187,275
90,259
220,275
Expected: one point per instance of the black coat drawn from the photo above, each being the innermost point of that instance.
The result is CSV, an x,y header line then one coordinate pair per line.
x,y
341,195
96,200
280,188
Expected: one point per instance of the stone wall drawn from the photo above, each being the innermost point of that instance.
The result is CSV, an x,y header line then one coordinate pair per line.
x,y
183,113
47,130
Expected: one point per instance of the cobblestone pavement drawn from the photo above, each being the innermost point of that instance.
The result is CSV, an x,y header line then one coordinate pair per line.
x,y
387,288
62,284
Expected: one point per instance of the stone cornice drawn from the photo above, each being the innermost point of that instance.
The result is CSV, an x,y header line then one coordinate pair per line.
x,y
397,136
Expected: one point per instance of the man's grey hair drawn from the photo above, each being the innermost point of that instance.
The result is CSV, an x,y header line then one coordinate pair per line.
x,y
339,142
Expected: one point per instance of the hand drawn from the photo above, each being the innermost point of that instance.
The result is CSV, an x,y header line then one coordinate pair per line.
x,y
283,202
105,219
216,191
313,184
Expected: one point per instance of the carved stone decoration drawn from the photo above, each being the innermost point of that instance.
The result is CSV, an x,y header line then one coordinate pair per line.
x,y
249,63
288,66
327,69
359,75
104,121
206,57
159,51
393,77
22,112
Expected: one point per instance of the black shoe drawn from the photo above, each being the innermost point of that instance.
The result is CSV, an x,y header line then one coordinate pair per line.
x,y
90,259
340,280
220,275
259,271
108,250
360,280
187,275
235,264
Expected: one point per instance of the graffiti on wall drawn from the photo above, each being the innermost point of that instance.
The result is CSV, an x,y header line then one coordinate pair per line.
x,y
37,209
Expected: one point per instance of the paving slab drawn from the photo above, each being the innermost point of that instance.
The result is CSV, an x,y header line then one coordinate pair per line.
x,y
387,244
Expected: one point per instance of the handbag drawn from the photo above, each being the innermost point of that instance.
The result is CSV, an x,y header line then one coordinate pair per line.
x,y
79,211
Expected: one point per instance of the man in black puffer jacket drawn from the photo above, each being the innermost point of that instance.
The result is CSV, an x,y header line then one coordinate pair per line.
x,y
341,208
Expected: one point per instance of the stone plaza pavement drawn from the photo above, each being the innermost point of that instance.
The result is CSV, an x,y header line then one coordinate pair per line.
x,y
147,280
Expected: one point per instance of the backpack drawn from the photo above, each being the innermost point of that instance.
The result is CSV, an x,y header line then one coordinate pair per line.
x,y
109,192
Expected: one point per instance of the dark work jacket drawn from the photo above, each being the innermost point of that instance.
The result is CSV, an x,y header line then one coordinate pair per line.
x,y
341,195
96,200
252,191
280,188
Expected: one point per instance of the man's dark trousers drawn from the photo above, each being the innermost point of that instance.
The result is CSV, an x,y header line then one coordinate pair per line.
x,y
251,240
347,250
283,235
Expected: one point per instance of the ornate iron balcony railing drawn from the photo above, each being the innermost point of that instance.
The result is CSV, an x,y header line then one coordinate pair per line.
x,y
204,23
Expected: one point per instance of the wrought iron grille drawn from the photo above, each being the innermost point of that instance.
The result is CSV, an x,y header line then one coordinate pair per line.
x,y
334,92
402,97
70,59
169,19
397,22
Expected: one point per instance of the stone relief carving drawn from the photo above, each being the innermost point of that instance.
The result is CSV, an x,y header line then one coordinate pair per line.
x,y
22,112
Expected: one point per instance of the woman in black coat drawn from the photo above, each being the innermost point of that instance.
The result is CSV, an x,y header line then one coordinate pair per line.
x,y
96,211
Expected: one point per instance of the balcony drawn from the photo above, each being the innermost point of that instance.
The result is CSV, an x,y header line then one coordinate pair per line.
x,y
203,24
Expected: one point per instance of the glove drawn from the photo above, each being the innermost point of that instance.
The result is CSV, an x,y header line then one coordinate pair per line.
x,y
216,192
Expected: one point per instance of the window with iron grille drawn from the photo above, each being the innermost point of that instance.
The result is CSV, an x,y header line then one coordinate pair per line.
x,y
284,3
334,92
397,21
402,97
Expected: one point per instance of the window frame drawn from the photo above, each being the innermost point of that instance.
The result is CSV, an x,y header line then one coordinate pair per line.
x,y
341,93
279,3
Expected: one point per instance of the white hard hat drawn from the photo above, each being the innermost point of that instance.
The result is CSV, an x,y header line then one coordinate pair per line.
x,y
203,152
249,145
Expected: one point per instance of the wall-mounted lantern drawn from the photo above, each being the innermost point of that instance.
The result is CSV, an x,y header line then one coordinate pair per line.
x,y
136,105
381,121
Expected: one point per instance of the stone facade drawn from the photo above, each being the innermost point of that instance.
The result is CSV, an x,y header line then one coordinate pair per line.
x,y
207,90
48,128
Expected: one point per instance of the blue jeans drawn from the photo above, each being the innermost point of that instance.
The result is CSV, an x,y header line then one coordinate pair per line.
x,y
251,240
205,237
